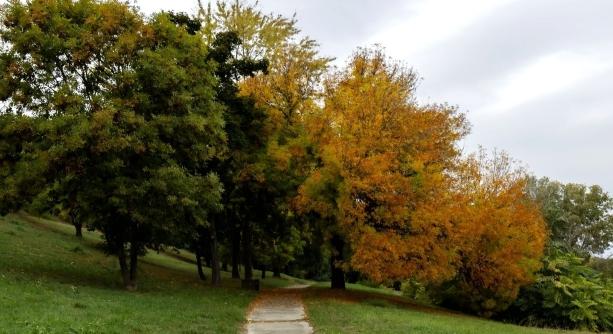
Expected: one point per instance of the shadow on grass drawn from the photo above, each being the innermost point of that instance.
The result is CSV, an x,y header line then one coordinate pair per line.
x,y
64,276
375,299
62,258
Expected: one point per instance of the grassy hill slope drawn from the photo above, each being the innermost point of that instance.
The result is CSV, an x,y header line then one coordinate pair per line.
x,y
366,310
51,282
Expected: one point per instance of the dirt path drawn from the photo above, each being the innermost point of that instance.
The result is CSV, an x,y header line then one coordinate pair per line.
x,y
278,311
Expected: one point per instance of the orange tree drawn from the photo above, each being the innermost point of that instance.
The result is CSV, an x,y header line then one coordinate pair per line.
x,y
383,173
501,234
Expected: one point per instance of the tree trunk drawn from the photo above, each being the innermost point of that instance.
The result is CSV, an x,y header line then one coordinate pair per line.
x,y
73,214
337,280
134,248
247,256
207,256
215,269
236,249
123,266
263,271
199,261
224,266
276,270
78,229
205,238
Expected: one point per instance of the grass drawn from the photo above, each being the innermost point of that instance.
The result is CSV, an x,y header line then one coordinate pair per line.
x,y
362,288
359,311
51,282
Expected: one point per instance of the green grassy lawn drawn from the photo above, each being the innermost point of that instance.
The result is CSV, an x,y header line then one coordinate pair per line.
x,y
51,282
357,311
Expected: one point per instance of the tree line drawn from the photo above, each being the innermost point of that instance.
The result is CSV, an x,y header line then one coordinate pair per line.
x,y
227,133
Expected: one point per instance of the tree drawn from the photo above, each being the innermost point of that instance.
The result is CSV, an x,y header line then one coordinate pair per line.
x,y
579,217
384,167
243,124
265,186
136,142
501,234
21,175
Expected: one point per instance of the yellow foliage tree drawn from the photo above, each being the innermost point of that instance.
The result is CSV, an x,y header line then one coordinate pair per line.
x,y
385,163
500,230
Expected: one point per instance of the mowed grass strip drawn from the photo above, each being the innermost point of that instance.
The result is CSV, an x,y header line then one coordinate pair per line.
x,y
52,282
357,311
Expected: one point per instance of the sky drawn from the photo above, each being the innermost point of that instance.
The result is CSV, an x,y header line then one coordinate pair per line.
x,y
535,77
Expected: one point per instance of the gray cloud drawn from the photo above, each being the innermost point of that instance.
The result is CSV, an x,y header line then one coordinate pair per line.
x,y
514,35
566,135
340,25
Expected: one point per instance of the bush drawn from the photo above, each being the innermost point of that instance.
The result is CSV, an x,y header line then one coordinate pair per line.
x,y
468,296
417,291
567,294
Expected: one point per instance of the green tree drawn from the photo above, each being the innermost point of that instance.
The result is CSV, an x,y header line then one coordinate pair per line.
x,y
243,124
136,142
579,217
21,175
265,186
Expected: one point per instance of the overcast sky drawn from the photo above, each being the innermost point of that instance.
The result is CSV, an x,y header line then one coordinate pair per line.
x,y
534,76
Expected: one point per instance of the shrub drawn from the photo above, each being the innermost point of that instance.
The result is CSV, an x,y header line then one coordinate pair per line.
x,y
417,291
468,296
567,294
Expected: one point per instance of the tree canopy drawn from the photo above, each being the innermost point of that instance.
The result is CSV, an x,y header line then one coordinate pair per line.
x,y
384,162
579,217
137,143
